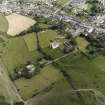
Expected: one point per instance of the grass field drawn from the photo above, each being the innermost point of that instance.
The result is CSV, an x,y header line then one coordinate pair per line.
x,y
46,36
16,52
45,78
82,43
60,95
3,23
86,73
30,40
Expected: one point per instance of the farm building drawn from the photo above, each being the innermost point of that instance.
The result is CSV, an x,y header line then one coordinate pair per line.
x,y
54,44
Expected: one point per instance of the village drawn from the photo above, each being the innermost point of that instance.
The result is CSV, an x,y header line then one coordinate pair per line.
x,y
47,47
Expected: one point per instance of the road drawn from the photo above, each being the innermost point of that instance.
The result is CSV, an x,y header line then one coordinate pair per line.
x,y
57,59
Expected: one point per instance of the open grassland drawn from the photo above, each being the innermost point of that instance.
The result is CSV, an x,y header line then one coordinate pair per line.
x,y
3,23
38,83
18,23
15,52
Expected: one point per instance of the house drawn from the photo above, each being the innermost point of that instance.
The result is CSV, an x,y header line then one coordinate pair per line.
x,y
30,68
54,44
26,71
90,30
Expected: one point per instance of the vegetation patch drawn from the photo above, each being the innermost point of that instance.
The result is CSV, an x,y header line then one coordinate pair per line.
x,y
46,36
60,94
86,73
15,53
30,40
82,43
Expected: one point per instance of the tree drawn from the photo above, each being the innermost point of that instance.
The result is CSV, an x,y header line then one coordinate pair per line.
x,y
3,101
95,7
36,28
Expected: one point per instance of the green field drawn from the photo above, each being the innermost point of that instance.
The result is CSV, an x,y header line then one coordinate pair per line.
x,y
86,73
15,52
82,43
45,78
3,23
30,40
46,36
60,95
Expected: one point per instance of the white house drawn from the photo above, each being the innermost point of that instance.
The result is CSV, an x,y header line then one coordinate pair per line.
x,y
54,44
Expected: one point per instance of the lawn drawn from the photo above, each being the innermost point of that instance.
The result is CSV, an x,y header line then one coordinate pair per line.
x,y
15,52
45,78
3,23
30,40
